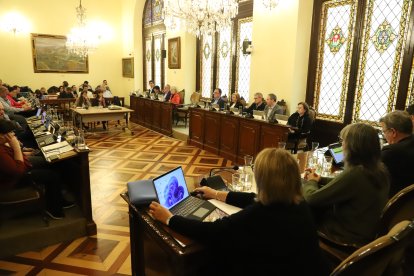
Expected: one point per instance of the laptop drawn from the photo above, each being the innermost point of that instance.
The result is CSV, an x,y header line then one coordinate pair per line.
x,y
172,193
336,151
258,114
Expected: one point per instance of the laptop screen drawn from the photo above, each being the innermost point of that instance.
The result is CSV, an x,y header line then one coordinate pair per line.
x,y
337,154
171,188
39,110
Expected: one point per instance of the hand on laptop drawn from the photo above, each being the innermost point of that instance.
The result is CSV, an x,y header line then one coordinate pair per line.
x,y
159,212
206,192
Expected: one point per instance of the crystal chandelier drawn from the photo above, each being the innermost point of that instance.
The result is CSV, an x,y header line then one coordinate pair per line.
x,y
201,17
270,4
81,41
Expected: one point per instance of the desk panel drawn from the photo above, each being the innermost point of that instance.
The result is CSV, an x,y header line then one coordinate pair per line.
x,y
152,114
232,136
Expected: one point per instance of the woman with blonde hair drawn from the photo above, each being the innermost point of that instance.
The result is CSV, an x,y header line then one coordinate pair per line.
x,y
273,235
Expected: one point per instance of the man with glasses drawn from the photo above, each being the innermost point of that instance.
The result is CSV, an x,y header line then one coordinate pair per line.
x,y
398,155
258,104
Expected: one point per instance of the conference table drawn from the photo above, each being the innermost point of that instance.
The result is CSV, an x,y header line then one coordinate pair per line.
x,y
97,114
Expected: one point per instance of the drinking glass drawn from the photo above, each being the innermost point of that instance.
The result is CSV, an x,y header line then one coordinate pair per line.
x,y
327,166
281,145
315,145
80,140
236,182
240,110
247,181
248,160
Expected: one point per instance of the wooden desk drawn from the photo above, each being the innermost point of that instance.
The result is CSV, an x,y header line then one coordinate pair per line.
x,y
233,136
96,114
152,114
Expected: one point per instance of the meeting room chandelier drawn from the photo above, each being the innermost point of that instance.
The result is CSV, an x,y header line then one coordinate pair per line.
x,y
81,41
270,4
200,17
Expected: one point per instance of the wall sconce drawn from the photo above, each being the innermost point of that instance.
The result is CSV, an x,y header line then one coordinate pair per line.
x,y
270,4
15,23
247,47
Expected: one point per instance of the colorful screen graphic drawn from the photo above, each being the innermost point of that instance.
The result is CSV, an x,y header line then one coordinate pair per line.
x,y
171,188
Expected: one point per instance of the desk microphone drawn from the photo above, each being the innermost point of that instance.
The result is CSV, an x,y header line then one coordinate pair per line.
x,y
235,167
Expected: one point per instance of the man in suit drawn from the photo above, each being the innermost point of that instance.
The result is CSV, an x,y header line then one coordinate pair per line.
x,y
167,92
272,108
151,84
398,155
258,104
217,98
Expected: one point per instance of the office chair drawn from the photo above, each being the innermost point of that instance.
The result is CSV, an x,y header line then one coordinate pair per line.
x,y
383,256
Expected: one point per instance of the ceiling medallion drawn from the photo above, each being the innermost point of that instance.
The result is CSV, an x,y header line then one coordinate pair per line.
x,y
206,50
336,40
383,37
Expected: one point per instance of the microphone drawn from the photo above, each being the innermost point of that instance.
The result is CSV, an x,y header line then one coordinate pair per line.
x,y
235,168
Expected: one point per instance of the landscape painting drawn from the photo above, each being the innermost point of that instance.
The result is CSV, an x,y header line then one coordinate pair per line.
x,y
51,56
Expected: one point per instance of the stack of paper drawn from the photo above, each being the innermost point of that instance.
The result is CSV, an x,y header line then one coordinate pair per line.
x,y
55,149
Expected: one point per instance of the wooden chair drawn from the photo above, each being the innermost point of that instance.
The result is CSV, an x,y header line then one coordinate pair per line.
x,y
181,112
195,98
383,256
398,208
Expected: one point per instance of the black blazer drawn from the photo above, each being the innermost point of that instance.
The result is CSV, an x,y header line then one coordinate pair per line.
x,y
220,102
303,123
278,239
254,106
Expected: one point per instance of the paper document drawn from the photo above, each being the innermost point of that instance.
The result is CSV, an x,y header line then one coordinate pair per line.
x,y
57,148
227,208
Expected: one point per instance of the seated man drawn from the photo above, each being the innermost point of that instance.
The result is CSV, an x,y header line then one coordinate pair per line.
x,y
217,98
272,108
398,155
66,93
156,91
167,92
258,104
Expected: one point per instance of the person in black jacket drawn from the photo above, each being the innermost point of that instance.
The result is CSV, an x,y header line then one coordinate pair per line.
x,y
235,101
300,121
217,98
258,104
273,235
398,155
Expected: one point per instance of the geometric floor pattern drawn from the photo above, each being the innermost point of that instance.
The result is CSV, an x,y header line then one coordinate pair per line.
x,y
116,158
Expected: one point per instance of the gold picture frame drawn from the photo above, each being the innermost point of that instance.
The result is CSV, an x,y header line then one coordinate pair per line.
x,y
128,67
51,56
174,53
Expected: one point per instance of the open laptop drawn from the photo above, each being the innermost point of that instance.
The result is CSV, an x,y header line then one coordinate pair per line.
x,y
336,151
258,114
172,193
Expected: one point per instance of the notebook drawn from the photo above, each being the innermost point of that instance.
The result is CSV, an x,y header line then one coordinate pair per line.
x,y
172,193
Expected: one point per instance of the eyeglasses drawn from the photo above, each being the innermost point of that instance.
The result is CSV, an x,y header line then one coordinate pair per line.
x,y
385,131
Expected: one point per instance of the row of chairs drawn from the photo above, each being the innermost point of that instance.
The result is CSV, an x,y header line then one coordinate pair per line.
x,y
392,238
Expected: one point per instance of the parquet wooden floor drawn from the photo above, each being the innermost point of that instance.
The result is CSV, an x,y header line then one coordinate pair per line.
x,y
115,158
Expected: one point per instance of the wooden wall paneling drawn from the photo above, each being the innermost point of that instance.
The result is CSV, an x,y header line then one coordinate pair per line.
x,y
141,111
156,116
229,135
166,118
270,136
148,115
133,104
212,132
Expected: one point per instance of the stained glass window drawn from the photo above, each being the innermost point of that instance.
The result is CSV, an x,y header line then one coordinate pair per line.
x,y
334,50
224,61
243,61
410,94
206,66
148,13
148,60
157,60
157,11
386,24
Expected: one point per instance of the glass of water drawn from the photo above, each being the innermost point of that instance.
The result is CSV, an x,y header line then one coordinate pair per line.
x,y
315,146
327,166
236,182
281,145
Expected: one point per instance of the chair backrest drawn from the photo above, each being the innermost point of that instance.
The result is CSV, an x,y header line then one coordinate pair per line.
x,y
195,97
116,101
283,105
312,114
182,96
383,256
398,208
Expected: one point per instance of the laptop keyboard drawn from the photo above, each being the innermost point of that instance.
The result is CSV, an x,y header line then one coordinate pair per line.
x,y
47,140
187,207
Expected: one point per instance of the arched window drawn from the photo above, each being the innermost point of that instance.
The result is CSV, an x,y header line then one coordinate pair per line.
x,y
220,60
153,37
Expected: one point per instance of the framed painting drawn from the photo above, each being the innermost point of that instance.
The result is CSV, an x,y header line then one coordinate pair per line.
x,y
174,53
51,56
128,67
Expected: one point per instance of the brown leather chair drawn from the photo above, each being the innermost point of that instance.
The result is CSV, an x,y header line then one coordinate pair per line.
x,y
182,112
384,256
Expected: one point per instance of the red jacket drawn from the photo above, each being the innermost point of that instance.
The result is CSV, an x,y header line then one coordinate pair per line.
x,y
175,98
13,103
10,170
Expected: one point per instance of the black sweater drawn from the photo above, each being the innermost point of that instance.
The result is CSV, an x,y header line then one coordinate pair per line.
x,y
303,123
277,239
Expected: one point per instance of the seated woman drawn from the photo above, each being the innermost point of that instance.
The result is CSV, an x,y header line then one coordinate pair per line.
x,y
175,97
83,100
300,120
353,201
100,101
235,101
14,169
273,235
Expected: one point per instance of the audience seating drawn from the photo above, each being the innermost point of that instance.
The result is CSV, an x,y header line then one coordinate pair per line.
x,y
383,256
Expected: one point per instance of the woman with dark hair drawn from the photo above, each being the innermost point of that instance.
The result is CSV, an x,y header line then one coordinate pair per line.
x,y
352,201
273,235
300,120
16,170
83,100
